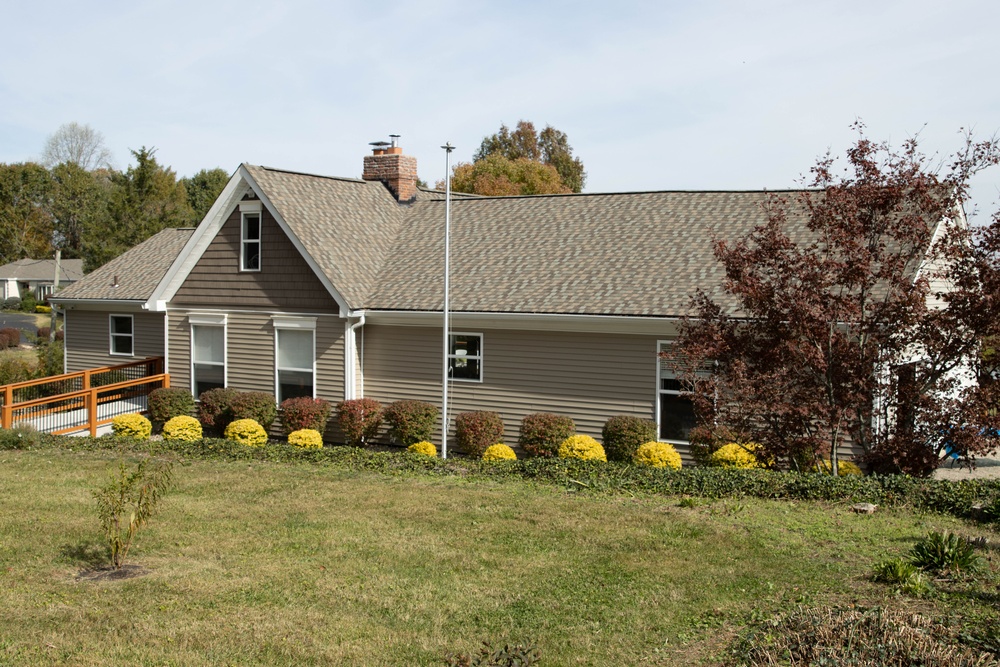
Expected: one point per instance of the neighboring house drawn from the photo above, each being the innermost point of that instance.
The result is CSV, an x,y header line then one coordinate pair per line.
x,y
37,275
299,284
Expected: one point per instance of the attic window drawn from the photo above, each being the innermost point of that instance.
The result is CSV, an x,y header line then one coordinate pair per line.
x,y
250,235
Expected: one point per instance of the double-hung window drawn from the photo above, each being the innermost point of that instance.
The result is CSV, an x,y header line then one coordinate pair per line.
x,y
295,357
208,352
674,412
465,357
250,235
122,335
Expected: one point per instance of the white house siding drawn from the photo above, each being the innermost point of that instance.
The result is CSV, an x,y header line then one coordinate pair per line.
x,y
587,376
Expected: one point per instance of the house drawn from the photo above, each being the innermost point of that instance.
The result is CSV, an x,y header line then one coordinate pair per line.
x,y
300,284
37,275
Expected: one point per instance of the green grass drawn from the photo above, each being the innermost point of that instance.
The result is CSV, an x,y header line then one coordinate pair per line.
x,y
296,563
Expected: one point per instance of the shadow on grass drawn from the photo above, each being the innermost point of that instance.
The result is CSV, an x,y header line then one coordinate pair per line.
x,y
89,553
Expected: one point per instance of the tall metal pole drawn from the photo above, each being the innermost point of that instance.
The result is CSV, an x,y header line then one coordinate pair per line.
x,y
448,148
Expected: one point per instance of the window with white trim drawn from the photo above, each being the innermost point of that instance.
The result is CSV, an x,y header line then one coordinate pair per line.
x,y
208,354
122,335
674,412
295,357
465,357
250,235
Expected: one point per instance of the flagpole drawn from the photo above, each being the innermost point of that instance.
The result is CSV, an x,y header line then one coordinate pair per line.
x,y
448,148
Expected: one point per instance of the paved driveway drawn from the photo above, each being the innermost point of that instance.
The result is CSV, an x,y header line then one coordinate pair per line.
x,y
22,321
986,467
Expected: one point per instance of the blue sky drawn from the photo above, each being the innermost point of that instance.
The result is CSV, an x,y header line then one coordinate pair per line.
x,y
653,95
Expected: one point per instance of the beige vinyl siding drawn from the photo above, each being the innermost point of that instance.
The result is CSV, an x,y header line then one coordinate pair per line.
x,y
88,338
586,376
250,353
284,282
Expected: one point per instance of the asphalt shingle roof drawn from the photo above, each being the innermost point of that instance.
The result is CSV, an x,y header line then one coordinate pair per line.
x,y
641,253
70,270
346,225
138,270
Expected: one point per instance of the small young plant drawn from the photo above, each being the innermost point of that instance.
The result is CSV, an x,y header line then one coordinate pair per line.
x,y
945,551
903,575
127,500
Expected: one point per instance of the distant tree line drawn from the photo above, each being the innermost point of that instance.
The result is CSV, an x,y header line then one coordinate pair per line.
x,y
75,201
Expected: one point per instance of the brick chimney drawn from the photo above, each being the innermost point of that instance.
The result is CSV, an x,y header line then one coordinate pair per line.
x,y
397,172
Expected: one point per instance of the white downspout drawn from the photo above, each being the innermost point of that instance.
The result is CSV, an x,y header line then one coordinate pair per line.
x,y
352,353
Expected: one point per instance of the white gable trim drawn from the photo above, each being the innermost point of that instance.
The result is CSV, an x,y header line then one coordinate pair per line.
x,y
239,185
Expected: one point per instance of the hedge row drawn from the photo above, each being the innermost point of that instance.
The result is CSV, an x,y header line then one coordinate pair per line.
x,y
957,498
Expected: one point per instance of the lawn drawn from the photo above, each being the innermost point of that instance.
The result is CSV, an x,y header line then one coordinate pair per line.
x,y
305,564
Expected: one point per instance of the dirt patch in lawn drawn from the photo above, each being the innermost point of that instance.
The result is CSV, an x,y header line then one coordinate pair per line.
x,y
111,574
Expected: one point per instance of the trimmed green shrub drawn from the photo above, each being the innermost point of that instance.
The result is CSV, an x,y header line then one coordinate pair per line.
x,y
543,432
182,429
359,420
132,426
20,436
945,552
499,452
735,455
582,447
304,413
12,303
247,432
622,435
423,447
166,403
658,455
411,421
475,431
256,405
28,302
214,408
306,438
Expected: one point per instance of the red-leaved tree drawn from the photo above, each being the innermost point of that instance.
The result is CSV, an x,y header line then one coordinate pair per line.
x,y
862,304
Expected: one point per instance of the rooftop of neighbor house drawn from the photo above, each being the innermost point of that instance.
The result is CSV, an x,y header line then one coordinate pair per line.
x,y
70,270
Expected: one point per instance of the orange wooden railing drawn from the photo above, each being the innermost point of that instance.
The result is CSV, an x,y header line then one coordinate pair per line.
x,y
74,401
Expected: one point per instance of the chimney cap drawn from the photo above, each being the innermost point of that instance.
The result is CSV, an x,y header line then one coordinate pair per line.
x,y
379,144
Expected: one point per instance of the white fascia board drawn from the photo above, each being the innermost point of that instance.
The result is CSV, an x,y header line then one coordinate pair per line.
x,y
240,183
619,324
195,247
